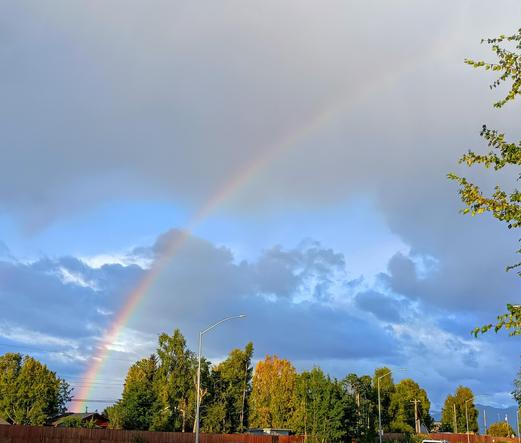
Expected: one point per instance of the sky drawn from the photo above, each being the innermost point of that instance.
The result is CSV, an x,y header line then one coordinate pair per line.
x,y
296,153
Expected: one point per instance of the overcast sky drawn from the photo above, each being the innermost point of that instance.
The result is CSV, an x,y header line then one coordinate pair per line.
x,y
304,145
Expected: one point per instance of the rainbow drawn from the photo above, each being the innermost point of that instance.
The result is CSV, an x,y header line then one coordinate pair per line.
x,y
225,192
291,139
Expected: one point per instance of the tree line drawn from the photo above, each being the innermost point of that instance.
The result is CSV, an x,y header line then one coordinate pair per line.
x,y
159,394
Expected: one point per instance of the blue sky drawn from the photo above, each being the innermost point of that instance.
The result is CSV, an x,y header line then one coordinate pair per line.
x,y
120,120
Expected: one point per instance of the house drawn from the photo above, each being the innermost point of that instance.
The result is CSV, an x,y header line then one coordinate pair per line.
x,y
73,419
269,431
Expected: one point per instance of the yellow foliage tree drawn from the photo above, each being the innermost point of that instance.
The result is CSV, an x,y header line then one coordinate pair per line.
x,y
273,394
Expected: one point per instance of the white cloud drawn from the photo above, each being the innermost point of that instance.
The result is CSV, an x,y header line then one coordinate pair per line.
x,y
122,258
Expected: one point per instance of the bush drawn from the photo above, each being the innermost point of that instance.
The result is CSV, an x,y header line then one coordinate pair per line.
x,y
500,429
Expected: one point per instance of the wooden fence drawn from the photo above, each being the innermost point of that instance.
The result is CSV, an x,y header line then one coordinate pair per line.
x,y
462,438
41,434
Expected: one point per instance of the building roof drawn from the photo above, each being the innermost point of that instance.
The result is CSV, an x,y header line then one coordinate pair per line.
x,y
81,415
270,431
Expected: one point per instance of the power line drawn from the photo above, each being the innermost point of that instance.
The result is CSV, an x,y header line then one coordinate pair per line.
x,y
92,401
77,377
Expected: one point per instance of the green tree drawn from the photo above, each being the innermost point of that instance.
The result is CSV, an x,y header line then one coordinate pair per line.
x,y
77,422
175,384
229,391
160,392
517,388
500,429
139,402
402,406
505,206
273,398
30,393
457,402
386,391
360,407
320,409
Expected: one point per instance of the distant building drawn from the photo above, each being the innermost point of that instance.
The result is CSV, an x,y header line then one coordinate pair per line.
x,y
269,431
99,420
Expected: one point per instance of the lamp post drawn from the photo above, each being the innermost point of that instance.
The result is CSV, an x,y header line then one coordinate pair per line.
x,y
467,417
518,434
379,403
198,401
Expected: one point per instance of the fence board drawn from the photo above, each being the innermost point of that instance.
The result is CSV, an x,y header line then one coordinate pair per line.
x,y
41,434
473,438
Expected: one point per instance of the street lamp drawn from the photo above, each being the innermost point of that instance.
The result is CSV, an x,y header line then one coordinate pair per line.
x,y
518,434
467,417
198,402
380,431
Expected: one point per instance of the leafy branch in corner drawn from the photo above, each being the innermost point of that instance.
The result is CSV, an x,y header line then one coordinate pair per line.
x,y
504,206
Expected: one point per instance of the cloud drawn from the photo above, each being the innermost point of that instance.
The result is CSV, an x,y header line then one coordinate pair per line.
x,y
176,112
62,296
183,105
383,307
62,321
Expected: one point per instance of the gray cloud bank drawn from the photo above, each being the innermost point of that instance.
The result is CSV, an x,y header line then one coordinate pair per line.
x,y
61,308
111,99
171,99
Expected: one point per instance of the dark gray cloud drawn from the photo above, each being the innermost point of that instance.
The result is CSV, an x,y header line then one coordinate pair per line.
x,y
158,99
64,306
283,272
63,296
383,307
202,283
469,274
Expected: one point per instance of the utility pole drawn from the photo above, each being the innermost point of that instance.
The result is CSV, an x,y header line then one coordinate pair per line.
x,y
518,434
467,417
244,396
455,420
416,419
485,420
380,431
359,423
